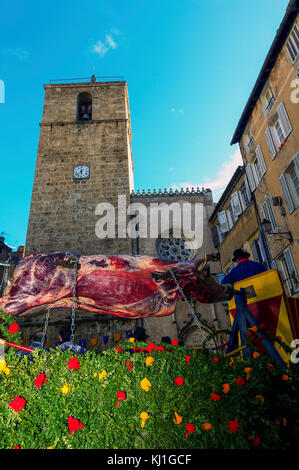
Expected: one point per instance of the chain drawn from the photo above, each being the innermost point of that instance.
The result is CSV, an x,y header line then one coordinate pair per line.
x,y
5,276
72,337
190,309
148,327
45,327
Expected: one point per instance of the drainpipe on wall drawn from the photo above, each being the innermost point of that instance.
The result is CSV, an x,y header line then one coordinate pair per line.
x,y
262,233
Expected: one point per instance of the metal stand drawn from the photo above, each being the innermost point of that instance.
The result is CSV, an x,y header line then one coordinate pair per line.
x,y
244,320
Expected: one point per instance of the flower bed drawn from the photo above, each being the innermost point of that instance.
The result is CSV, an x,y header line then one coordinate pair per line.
x,y
179,399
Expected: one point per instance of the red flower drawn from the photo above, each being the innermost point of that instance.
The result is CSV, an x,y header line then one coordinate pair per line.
x,y
13,328
233,425
150,347
216,359
16,447
190,428
255,441
121,396
215,397
118,350
40,380
159,348
187,359
73,363
74,424
129,364
240,381
179,381
17,403
174,342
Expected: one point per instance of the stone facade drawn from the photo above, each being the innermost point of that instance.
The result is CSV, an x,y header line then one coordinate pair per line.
x,y
268,189
62,215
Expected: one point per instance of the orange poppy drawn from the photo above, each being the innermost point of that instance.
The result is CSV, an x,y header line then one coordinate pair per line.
x,y
207,426
261,398
225,388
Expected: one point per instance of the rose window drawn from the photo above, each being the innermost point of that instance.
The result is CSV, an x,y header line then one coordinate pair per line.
x,y
173,249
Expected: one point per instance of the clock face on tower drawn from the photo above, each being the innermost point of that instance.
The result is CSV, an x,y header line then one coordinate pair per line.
x,y
81,172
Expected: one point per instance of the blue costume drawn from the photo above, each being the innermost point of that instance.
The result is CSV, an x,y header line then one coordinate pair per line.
x,y
244,269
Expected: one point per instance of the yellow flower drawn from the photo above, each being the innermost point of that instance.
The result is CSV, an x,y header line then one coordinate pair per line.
x,y
149,361
143,416
102,374
50,447
178,419
6,371
95,374
132,339
2,364
145,384
65,389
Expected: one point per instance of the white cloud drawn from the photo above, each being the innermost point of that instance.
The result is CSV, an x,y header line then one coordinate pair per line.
x,y
222,178
101,48
110,41
177,112
21,54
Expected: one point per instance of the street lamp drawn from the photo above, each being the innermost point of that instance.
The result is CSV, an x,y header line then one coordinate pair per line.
x,y
267,228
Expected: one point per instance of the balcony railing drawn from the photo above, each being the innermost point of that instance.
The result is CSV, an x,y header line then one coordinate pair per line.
x,y
92,79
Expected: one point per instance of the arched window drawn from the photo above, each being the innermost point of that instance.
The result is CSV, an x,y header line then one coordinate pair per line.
x,y
84,107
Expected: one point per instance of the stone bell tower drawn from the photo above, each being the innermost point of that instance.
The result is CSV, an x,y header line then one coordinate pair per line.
x,y
84,158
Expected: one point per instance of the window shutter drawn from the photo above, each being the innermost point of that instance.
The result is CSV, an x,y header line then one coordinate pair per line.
x,y
250,176
284,120
296,163
286,193
255,251
236,203
290,267
215,237
270,142
230,219
247,189
260,157
269,213
223,222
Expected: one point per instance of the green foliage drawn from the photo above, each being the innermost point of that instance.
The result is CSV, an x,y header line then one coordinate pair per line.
x,y
44,421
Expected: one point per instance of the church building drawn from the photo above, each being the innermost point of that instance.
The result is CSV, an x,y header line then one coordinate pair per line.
x,y
84,159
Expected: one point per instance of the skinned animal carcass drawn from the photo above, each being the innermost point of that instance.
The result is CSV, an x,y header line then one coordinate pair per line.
x,y
125,286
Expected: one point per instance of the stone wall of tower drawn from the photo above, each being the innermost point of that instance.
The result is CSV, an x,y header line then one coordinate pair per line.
x,y
62,215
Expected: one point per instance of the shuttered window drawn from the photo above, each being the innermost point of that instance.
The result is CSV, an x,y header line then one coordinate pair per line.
x,y
223,222
289,182
293,44
215,236
291,273
270,142
251,175
284,121
236,203
269,213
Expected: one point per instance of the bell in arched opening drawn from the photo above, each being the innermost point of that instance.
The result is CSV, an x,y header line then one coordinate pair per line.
x,y
84,107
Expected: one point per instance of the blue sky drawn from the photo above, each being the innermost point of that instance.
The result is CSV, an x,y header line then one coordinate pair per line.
x,y
190,66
